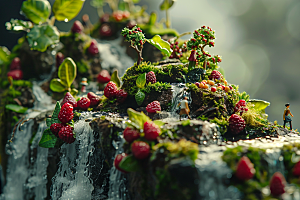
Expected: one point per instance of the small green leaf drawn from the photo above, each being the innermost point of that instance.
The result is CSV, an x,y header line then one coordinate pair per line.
x,y
74,92
139,97
166,4
16,108
161,45
65,10
48,122
115,78
48,139
122,6
129,164
159,123
42,36
4,55
137,118
54,117
18,25
152,19
67,72
186,122
56,85
259,105
38,11
135,1
141,81
97,3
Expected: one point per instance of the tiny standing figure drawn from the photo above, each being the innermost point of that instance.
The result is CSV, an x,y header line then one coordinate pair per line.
x,y
286,117
184,106
84,84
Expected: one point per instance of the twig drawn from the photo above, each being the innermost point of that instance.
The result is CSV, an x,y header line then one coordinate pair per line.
x,y
14,130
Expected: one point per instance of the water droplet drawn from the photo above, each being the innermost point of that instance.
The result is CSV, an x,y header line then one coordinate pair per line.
x,y
66,20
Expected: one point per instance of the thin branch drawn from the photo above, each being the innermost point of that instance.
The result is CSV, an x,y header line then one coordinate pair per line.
x,y
15,128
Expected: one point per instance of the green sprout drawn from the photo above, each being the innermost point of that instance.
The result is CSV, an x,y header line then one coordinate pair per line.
x,y
201,38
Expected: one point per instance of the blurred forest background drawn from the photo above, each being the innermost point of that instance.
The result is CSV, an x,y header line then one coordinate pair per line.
x,y
259,41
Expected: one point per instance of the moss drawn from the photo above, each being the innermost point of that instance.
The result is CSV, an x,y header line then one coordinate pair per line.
x,y
252,118
192,87
222,123
157,87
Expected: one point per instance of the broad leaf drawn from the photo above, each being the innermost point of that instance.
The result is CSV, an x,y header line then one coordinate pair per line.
x,y
141,81
48,122
129,164
166,4
161,44
74,92
139,97
54,117
48,139
115,78
67,72
16,108
158,123
38,11
42,36
4,55
259,105
18,25
137,118
65,10
56,85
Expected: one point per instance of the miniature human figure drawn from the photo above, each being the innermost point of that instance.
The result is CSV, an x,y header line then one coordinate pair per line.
x,y
184,106
286,117
84,84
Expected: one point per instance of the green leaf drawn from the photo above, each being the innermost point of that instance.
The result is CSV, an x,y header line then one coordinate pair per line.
x,y
54,117
74,92
42,36
4,55
38,11
97,3
141,81
18,25
161,45
48,139
16,108
122,6
135,1
65,10
48,122
259,105
115,78
152,19
67,72
137,118
129,164
159,123
139,97
166,4
56,85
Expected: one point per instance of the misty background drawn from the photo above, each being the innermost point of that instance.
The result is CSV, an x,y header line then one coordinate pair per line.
x,y
259,41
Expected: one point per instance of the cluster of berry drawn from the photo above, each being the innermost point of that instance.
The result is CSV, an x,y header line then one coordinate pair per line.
x,y
135,36
203,36
140,149
150,77
15,69
177,50
84,103
111,91
120,15
240,107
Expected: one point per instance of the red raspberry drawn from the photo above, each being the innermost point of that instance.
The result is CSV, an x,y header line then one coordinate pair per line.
x,y
242,102
213,89
59,59
130,134
150,77
236,123
296,169
117,161
121,95
153,107
151,131
15,64
15,74
140,149
93,49
94,99
111,89
65,114
105,30
69,99
77,27
84,103
55,128
66,134
215,75
240,107
277,184
103,76
245,169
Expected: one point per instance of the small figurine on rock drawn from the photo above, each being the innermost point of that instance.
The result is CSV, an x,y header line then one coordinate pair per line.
x,y
286,117
184,106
